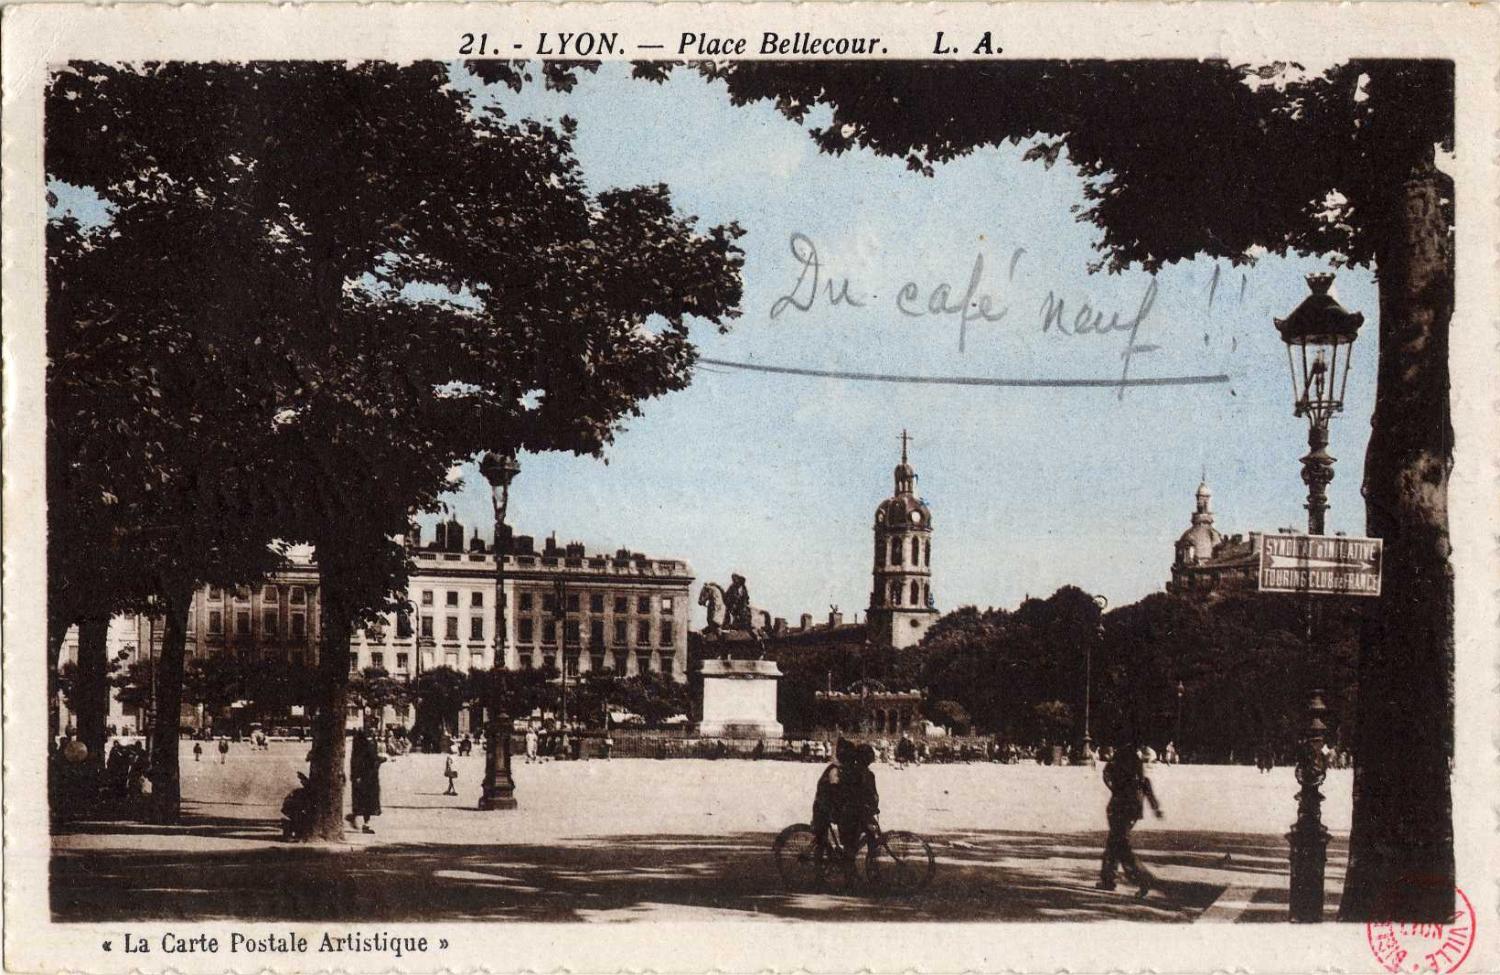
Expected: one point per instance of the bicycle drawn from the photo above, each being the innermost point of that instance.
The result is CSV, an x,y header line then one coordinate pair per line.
x,y
898,862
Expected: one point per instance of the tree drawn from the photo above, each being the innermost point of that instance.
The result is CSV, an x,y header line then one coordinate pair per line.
x,y
347,190
1343,164
950,714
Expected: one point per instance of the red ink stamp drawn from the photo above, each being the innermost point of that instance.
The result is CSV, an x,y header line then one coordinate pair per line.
x,y
1411,948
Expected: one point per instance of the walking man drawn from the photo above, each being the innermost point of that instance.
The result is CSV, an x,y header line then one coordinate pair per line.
x,y
1128,785
531,744
223,750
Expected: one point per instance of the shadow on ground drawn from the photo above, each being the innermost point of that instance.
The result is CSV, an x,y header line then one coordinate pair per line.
x,y
982,875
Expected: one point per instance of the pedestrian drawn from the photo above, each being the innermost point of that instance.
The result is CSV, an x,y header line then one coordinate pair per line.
x,y
1128,785
531,744
906,750
450,775
223,750
197,751
364,779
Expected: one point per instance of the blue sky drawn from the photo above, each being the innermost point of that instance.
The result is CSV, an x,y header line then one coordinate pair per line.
x,y
777,477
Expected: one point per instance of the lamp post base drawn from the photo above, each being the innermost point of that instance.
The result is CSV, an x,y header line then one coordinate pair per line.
x,y
499,787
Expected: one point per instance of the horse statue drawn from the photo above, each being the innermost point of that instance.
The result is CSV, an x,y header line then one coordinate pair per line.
x,y
731,612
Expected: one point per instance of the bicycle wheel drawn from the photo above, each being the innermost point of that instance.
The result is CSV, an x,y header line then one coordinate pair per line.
x,y
799,860
901,863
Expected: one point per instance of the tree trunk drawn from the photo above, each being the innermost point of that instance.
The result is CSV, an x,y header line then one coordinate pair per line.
x,y
91,688
166,781
327,776
1401,848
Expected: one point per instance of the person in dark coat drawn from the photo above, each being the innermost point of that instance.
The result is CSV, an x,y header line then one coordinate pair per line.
x,y
364,778
1126,777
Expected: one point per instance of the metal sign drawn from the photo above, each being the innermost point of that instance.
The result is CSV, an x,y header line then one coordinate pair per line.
x,y
1330,564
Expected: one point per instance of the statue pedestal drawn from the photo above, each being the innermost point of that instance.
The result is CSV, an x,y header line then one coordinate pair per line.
x,y
739,699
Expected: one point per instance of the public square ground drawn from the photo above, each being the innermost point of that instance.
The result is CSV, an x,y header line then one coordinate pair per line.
x,y
633,839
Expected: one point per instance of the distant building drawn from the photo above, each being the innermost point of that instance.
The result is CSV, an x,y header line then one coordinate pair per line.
x,y
623,612
1205,562
868,707
902,606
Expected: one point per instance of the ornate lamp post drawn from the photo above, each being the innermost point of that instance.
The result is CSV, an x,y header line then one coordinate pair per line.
x,y
1088,673
1319,336
499,787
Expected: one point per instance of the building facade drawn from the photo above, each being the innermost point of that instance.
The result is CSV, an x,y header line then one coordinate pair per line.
x,y
624,612
902,605
1205,562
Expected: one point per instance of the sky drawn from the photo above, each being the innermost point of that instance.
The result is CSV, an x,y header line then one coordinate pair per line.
x,y
776,477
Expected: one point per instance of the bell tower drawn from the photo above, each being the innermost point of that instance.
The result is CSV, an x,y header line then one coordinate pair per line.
x,y
902,605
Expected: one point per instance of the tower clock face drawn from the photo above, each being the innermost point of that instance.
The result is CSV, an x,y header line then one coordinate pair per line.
x,y
916,517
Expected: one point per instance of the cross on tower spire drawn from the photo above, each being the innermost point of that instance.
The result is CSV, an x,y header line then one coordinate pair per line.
x,y
904,439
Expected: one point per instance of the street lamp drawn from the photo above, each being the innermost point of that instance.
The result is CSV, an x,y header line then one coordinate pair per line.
x,y
1319,336
1088,672
560,622
499,788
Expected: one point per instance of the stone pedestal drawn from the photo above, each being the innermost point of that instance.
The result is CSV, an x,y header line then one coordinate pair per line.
x,y
739,699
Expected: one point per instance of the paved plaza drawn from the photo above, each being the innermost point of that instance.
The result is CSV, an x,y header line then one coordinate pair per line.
x,y
685,839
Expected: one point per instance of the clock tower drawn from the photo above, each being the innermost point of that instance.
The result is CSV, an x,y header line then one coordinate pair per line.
x,y
902,606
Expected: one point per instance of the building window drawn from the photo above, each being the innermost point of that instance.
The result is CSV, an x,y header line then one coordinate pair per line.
x,y
668,605
242,594
879,553
895,551
572,602
377,659
927,552
896,593
526,663
570,631
476,627
528,631
596,633
297,595
643,604
403,660
268,625
241,624
916,593
549,602
403,625
570,661
427,627
621,602
452,597
596,602
299,625
215,622
622,661
643,662
666,633
916,550
215,594
643,633
620,633
596,662
268,594
549,631
426,597
668,662
476,598
450,630
525,602
353,663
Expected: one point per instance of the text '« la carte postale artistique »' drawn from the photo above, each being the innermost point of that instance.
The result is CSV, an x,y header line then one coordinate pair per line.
x,y
351,942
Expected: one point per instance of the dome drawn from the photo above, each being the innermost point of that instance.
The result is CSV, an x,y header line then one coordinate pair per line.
x,y
1202,539
1204,492
902,510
